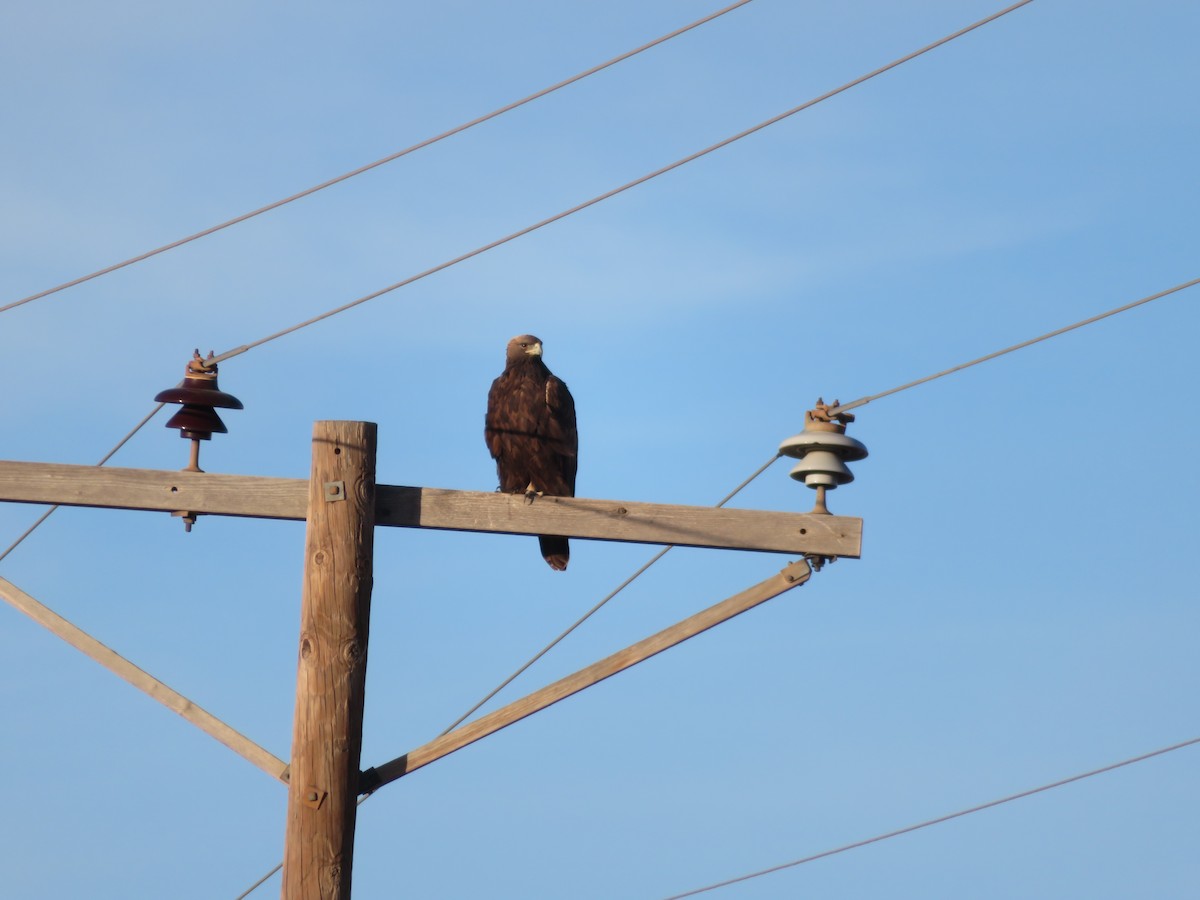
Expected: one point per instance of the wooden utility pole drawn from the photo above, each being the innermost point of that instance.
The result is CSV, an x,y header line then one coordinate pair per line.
x,y
343,506
331,675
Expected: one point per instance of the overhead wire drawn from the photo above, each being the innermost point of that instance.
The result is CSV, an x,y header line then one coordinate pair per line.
x,y
863,401
929,822
237,351
580,207
390,158
420,145
229,354
843,407
250,890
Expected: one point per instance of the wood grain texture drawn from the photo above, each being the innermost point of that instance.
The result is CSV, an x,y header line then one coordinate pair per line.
x,y
790,577
621,520
153,489
143,681
332,666
411,507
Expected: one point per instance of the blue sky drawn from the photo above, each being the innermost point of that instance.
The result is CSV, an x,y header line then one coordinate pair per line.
x,y
1024,608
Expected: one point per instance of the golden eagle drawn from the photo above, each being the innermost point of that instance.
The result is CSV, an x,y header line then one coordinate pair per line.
x,y
530,431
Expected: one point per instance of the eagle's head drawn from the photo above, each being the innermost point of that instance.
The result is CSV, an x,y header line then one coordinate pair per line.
x,y
523,346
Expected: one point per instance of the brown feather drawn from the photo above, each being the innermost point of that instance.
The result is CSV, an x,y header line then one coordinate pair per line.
x,y
531,433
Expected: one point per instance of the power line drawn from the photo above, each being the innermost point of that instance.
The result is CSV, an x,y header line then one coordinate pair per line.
x,y
863,401
939,820
237,351
720,144
229,354
844,407
458,129
311,321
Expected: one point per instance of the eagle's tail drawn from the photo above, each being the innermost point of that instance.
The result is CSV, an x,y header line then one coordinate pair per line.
x,y
555,551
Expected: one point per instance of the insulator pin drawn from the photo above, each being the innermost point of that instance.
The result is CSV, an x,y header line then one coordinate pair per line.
x,y
198,420
823,450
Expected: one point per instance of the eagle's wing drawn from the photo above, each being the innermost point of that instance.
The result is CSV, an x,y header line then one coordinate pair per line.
x,y
560,428
560,431
491,421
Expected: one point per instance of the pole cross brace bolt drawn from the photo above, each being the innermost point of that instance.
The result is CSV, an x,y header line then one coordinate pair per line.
x,y
335,491
313,798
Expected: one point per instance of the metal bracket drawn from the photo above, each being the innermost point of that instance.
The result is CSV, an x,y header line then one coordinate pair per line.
x,y
818,562
313,798
189,518
334,491
368,780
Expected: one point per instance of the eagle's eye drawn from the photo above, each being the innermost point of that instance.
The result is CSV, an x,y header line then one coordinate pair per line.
x,y
523,344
